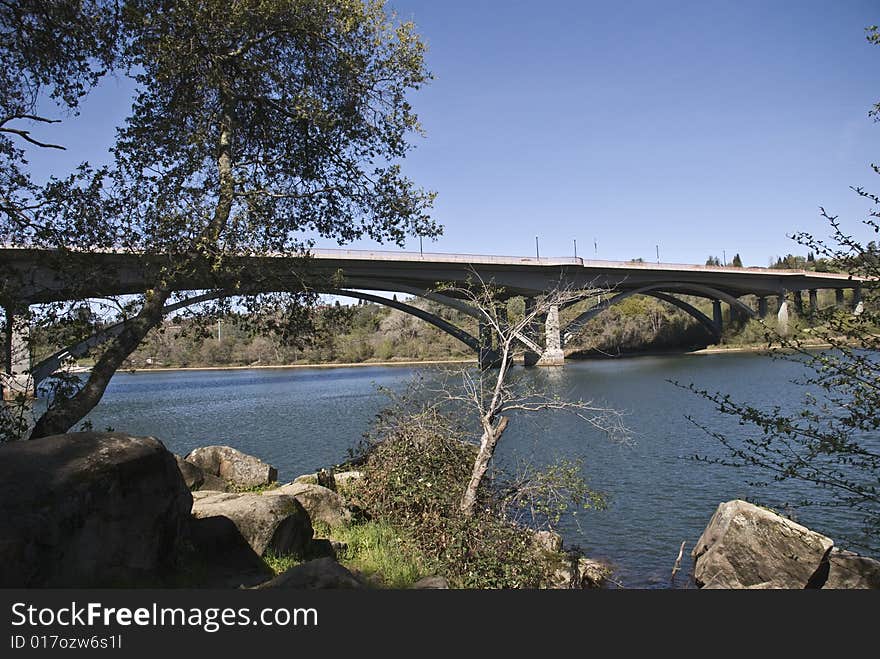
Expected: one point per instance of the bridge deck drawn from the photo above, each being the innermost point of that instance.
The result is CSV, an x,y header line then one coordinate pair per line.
x,y
47,275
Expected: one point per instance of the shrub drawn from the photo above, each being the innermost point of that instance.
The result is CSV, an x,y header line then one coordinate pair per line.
x,y
416,466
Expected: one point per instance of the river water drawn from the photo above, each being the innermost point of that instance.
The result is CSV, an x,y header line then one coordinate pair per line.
x,y
303,419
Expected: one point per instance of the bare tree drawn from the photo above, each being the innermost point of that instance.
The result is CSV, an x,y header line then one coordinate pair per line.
x,y
494,393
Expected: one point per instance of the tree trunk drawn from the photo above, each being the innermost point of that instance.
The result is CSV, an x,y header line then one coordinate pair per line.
x,y
61,418
481,464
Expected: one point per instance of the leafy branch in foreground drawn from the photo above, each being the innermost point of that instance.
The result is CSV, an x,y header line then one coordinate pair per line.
x,y
833,440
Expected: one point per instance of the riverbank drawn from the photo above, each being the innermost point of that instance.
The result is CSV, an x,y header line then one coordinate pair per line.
x,y
712,350
434,362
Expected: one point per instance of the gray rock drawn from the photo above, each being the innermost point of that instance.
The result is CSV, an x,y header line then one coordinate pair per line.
x,y
593,573
215,484
239,469
278,523
222,557
322,505
577,573
547,541
849,570
745,546
192,475
311,479
321,573
347,477
432,583
90,509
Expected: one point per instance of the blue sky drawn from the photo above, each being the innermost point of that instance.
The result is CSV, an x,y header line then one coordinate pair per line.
x,y
696,126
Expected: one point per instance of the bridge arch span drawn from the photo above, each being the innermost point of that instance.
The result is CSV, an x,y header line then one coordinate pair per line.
x,y
49,365
463,336
660,291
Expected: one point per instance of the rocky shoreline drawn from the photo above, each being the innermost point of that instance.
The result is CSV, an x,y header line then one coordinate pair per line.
x,y
107,509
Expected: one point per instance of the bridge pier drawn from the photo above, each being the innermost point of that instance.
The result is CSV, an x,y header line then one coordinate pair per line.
x,y
838,298
857,305
552,355
16,377
717,316
530,357
799,302
488,357
782,316
762,307
814,301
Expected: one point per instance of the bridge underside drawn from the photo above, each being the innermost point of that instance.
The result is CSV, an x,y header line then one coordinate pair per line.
x,y
544,345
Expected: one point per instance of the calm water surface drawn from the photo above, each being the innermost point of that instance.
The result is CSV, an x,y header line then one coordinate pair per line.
x,y
303,419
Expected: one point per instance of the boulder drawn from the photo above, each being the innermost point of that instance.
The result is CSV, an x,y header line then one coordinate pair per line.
x,y
197,479
547,541
593,573
431,583
320,573
321,504
192,475
233,466
311,479
849,570
277,524
222,558
90,509
346,477
576,572
745,546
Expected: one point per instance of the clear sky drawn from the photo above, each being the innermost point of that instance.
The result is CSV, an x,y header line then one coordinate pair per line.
x,y
698,126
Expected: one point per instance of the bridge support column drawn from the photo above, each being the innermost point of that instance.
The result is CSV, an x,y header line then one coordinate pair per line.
x,y
838,298
552,355
717,317
814,301
782,316
16,377
530,357
762,307
858,307
799,302
488,356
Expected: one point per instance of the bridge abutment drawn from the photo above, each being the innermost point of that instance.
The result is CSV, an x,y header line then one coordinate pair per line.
x,y
16,377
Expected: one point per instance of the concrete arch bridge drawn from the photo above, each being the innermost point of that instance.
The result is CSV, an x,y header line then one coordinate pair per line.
x,y
32,276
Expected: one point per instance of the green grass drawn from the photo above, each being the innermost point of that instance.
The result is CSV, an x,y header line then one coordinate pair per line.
x,y
374,549
279,563
380,554
254,489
